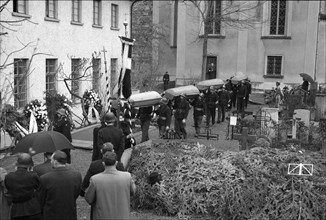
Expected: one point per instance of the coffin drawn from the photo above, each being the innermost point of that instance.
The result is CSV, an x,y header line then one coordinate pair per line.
x,y
190,91
238,77
145,99
216,83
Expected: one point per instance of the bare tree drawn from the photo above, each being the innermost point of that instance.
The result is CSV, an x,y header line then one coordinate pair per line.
x,y
233,14
72,80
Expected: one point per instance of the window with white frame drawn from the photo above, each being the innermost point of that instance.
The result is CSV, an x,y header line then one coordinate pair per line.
x,y
51,8
76,11
50,77
277,17
75,73
20,6
20,82
97,12
96,66
274,65
114,15
213,21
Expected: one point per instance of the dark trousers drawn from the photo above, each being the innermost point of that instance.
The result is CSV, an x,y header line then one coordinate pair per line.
x,y
240,105
180,128
221,113
247,101
233,100
166,85
144,124
197,120
211,113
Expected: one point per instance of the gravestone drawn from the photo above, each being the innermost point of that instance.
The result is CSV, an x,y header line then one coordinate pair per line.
x,y
304,115
272,113
244,138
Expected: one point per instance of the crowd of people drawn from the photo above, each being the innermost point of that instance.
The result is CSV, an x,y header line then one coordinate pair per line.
x,y
49,190
205,105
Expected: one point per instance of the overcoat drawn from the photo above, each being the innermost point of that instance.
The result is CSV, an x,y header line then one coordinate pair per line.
x,y
59,191
43,168
109,194
23,186
115,136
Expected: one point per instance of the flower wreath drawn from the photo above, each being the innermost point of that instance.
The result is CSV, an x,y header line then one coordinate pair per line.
x,y
38,109
55,102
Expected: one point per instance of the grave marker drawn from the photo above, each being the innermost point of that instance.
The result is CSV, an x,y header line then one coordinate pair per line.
x,y
244,138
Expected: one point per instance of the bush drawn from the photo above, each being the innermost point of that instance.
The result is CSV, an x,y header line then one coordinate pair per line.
x,y
253,184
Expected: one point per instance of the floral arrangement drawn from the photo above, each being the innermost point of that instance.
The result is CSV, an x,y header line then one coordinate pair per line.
x,y
55,102
38,109
10,115
91,98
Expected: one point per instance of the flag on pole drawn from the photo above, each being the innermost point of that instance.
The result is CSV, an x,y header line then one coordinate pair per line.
x,y
123,84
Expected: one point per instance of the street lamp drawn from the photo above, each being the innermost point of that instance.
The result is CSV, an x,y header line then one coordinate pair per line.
x,y
125,23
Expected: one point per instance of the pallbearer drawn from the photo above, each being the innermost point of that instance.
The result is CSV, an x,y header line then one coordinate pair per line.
x,y
164,117
199,110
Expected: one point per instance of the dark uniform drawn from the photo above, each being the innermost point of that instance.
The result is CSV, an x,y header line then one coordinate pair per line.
x,y
181,107
248,85
234,95
145,116
199,110
164,119
210,98
223,101
241,96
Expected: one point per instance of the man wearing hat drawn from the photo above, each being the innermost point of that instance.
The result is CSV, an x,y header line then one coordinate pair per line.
x,y
164,117
223,101
60,189
110,133
22,186
181,107
199,110
109,191
211,100
241,98
62,124
96,167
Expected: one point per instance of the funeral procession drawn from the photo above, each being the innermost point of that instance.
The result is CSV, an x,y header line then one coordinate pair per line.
x,y
162,110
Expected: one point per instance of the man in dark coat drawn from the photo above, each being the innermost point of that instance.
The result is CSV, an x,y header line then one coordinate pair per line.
x,y
97,167
145,116
223,101
60,189
62,124
248,85
164,117
211,100
22,186
241,96
199,110
112,134
166,79
96,149
44,167
234,95
181,107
